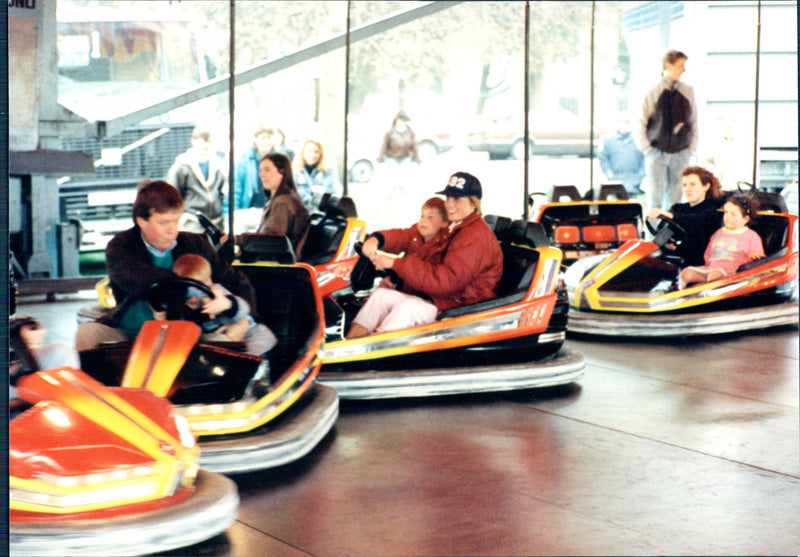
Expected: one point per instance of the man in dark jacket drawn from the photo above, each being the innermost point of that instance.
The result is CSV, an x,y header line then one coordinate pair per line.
x,y
667,132
142,256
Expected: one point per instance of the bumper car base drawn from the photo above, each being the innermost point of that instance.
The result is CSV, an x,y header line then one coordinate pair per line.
x,y
301,431
683,325
209,511
565,367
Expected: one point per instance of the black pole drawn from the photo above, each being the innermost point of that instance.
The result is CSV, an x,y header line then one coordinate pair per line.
x,y
591,106
345,171
526,107
231,110
755,111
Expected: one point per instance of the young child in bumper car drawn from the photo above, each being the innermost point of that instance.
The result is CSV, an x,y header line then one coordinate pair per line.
x,y
731,246
234,323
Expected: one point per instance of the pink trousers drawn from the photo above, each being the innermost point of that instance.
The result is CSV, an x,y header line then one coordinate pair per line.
x,y
390,310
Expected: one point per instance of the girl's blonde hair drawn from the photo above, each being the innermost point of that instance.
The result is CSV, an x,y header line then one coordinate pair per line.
x,y
300,161
476,202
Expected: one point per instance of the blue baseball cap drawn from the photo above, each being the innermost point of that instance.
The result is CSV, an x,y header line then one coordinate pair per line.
x,y
462,184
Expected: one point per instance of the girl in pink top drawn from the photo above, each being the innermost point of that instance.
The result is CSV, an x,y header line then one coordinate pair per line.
x,y
731,246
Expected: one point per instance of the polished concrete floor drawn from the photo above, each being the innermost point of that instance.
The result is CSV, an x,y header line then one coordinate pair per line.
x,y
687,447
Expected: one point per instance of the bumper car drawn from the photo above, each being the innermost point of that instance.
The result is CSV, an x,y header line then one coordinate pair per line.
x,y
634,290
511,342
581,228
248,413
95,470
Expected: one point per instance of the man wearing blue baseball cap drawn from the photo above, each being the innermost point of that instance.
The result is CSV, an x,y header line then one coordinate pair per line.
x,y
468,272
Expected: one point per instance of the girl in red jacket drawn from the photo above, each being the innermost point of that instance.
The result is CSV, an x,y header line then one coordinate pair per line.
x,y
467,271
425,239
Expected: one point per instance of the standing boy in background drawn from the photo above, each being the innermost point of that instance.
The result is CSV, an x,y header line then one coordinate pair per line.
x,y
620,159
667,132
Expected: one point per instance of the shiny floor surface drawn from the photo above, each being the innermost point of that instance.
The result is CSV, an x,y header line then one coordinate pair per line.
x,y
685,447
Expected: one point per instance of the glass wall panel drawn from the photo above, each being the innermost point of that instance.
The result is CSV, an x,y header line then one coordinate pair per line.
x,y
290,84
116,57
777,109
457,73
615,113
457,70
720,39
116,62
305,96
724,78
560,116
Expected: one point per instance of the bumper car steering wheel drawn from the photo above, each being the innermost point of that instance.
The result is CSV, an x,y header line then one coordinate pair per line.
x,y
170,295
364,273
667,235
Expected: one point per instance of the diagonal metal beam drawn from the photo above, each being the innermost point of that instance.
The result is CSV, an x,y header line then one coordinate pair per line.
x,y
106,128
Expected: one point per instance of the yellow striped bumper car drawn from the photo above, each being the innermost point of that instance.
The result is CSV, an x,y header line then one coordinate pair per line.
x,y
95,470
248,413
634,291
511,342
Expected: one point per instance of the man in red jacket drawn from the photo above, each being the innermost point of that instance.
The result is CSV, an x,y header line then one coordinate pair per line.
x,y
470,268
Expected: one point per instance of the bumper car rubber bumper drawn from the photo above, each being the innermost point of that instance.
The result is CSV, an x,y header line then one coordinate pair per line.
x,y
301,428
209,511
681,325
564,367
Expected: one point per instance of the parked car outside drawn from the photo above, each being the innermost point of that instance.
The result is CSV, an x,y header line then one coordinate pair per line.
x,y
551,132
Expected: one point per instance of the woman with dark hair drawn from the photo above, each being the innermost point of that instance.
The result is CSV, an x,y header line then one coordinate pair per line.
x,y
284,212
699,215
